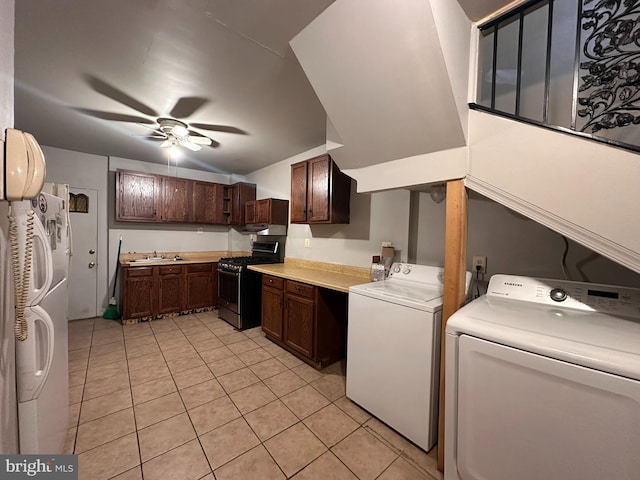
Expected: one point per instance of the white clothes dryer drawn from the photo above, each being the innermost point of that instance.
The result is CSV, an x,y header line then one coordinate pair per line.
x,y
543,382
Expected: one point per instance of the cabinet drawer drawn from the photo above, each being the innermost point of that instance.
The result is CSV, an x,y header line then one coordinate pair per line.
x,y
274,282
301,289
200,267
171,269
140,272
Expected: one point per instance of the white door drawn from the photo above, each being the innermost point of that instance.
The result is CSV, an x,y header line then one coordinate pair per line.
x,y
83,276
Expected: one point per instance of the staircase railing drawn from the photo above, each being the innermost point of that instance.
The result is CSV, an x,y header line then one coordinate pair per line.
x,y
568,65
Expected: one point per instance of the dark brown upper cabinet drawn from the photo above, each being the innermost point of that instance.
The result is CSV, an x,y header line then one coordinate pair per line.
x,y
272,211
207,202
138,196
176,199
235,197
145,197
320,192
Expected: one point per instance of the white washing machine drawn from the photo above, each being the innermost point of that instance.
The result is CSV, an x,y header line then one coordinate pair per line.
x,y
543,382
393,349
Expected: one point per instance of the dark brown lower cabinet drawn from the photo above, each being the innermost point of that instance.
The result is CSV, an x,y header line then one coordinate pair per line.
x,y
306,320
138,287
272,306
153,291
170,287
200,286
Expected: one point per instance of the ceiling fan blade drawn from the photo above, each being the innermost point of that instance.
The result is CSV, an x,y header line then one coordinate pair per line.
x,y
187,106
191,146
199,140
119,96
219,128
118,117
166,143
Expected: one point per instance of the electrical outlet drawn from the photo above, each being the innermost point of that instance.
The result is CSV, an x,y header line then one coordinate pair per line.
x,y
307,243
480,262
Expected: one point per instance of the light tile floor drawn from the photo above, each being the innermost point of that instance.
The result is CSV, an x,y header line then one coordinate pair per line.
x,y
192,398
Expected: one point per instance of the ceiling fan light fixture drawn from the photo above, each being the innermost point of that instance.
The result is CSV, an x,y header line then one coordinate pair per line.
x,y
174,152
180,131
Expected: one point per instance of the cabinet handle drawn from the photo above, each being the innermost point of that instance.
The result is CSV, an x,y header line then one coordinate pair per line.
x,y
270,280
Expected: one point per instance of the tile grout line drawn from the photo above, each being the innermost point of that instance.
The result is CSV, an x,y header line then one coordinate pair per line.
x,y
185,332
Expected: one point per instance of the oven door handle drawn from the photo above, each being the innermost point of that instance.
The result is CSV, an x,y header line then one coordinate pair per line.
x,y
230,274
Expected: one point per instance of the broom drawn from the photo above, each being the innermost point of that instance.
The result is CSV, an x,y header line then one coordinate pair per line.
x,y
111,312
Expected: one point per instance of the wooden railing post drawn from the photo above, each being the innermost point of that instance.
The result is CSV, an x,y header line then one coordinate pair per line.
x,y
455,259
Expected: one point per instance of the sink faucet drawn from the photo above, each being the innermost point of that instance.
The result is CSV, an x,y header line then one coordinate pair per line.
x,y
155,254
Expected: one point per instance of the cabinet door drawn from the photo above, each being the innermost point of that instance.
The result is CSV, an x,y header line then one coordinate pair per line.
x,y
170,289
298,324
319,190
272,310
137,197
208,202
137,292
250,213
241,193
199,287
175,199
263,211
299,192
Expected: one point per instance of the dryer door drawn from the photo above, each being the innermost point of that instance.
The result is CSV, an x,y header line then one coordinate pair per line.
x,y
528,417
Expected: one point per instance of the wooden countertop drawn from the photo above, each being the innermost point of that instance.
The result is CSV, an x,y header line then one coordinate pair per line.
x,y
320,274
187,257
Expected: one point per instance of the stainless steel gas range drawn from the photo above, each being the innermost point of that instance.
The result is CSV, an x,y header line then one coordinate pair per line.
x,y
240,289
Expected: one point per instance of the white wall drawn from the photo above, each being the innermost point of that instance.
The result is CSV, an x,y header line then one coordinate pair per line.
x,y
375,218
586,190
383,75
83,170
513,244
417,170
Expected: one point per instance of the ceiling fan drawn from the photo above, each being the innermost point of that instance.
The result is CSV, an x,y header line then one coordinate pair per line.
x,y
170,130
174,132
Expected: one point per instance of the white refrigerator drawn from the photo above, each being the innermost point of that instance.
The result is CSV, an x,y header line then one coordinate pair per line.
x,y
37,416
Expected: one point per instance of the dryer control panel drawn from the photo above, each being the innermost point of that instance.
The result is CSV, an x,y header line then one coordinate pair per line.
x,y
579,295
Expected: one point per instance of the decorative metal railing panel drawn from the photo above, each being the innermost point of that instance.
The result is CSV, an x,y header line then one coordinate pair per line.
x,y
572,65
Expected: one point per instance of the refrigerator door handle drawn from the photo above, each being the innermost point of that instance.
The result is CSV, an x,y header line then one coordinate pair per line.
x,y
35,354
42,265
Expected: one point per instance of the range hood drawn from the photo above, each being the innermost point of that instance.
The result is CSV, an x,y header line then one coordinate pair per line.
x,y
264,229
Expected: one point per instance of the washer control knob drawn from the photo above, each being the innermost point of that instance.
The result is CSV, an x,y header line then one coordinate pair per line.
x,y
406,270
558,295
396,269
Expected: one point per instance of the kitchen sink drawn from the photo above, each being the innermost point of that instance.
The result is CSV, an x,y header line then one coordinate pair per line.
x,y
149,260
156,259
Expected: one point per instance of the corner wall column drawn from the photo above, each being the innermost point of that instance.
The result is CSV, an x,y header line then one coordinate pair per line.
x,y
455,258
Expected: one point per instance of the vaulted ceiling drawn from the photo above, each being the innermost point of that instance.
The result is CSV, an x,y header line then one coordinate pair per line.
x,y
94,76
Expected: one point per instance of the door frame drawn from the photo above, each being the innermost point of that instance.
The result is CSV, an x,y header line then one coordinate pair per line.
x,y
74,236
102,295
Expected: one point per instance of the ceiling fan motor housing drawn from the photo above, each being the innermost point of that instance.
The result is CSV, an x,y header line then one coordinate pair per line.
x,y
176,128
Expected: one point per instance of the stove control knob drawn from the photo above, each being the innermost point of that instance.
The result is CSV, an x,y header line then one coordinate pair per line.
x,y
396,269
406,270
558,295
